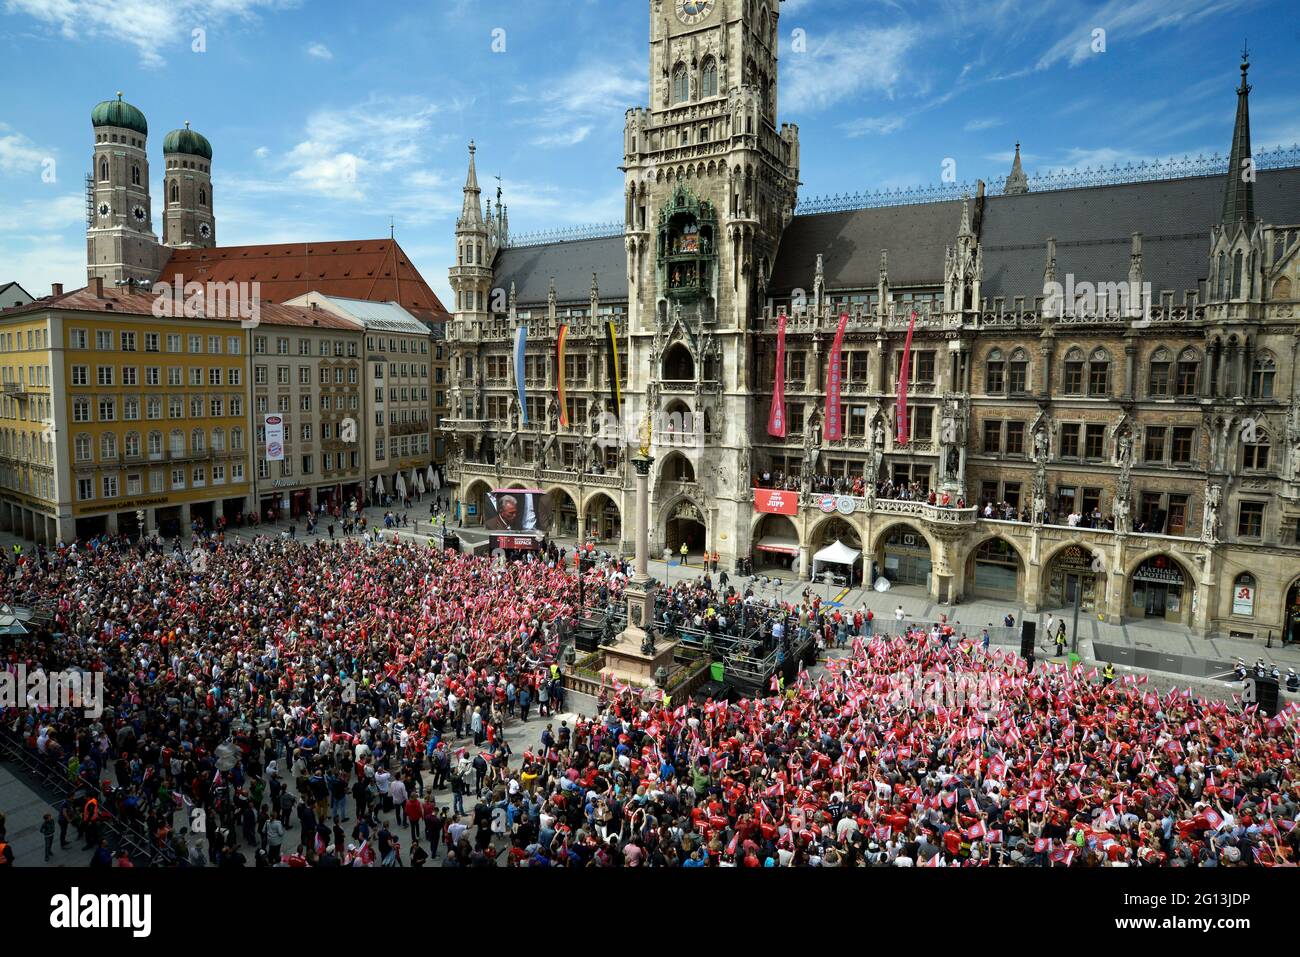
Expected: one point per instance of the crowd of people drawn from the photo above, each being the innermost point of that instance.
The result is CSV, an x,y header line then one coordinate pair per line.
x,y
319,702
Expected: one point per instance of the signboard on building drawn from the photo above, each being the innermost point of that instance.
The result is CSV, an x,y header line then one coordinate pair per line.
x,y
1160,571
776,501
515,542
1243,598
274,437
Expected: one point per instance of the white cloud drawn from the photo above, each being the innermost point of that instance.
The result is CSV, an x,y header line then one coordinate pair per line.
x,y
984,123
564,138
37,260
847,64
43,215
18,153
1125,20
319,51
151,26
879,125
261,152
567,110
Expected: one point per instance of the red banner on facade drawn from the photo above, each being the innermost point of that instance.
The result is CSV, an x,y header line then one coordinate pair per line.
x,y
904,373
776,419
560,382
776,501
834,383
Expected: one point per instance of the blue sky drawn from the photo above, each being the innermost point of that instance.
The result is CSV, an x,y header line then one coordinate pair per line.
x,y
328,117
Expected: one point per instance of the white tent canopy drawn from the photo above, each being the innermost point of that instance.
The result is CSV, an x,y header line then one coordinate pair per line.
x,y
837,553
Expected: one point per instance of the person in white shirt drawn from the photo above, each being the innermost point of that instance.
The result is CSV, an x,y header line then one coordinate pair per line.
x,y
397,794
384,782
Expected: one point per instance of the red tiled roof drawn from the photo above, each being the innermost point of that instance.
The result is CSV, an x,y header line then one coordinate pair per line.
x,y
377,270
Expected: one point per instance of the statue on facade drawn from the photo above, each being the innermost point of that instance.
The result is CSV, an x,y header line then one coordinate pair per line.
x,y
1042,444
499,448
1124,449
1210,525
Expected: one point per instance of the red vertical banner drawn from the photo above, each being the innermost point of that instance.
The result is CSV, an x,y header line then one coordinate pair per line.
x,y
560,384
904,373
776,419
834,383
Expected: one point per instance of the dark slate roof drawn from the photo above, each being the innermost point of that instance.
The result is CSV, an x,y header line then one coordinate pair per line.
x,y
531,269
851,241
1093,228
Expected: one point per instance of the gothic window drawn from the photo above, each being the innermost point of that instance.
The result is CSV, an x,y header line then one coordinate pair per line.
x,y
1254,455
1074,370
1261,377
175,193
1236,274
1099,374
1223,275
709,77
1018,372
678,366
203,196
1158,377
1187,373
995,373
681,85
135,175
103,169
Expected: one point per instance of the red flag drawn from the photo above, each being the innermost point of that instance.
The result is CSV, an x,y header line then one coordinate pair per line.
x,y
834,380
903,373
776,424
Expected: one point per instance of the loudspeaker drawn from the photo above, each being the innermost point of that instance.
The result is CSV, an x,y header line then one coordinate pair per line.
x,y
1028,632
1266,695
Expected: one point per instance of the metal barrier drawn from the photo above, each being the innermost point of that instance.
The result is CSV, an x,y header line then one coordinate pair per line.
x,y
52,775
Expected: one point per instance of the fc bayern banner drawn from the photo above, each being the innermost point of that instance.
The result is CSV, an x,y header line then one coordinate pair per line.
x,y
560,385
521,341
615,379
834,383
776,419
274,425
903,375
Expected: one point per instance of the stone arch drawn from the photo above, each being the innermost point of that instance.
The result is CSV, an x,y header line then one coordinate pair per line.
x,y
995,571
678,364
602,519
682,519
473,497
676,467
1153,589
904,562
564,512
1074,564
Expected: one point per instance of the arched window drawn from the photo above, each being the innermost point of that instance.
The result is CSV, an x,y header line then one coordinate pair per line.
x,y
1099,373
1254,455
678,366
103,169
1018,372
1159,374
203,196
177,442
135,175
995,373
1282,288
82,447
175,193
198,441
1074,372
108,445
155,444
131,446
709,77
681,85
1261,376
218,440
1236,274
1188,373
1223,276
236,439
1243,595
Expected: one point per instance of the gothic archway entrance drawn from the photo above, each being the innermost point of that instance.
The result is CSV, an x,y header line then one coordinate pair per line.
x,y
685,525
1291,614
604,522
1075,569
776,543
903,556
564,514
1159,587
995,571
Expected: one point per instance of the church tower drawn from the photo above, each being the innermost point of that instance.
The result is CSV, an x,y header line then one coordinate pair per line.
x,y
477,241
189,220
710,184
120,242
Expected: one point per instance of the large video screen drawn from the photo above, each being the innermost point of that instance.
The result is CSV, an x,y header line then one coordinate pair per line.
x,y
516,510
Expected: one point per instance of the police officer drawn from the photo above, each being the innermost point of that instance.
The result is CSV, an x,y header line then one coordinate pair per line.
x,y
1292,680
683,551
1108,674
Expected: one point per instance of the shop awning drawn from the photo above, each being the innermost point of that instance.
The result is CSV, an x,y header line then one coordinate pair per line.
x,y
775,543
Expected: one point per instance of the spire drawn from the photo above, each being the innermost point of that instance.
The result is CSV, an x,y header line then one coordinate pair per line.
x,y
1017,182
965,229
472,213
1239,195
1049,270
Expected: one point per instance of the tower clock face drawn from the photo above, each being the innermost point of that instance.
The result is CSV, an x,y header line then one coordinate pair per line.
x,y
104,210
205,230
139,214
692,12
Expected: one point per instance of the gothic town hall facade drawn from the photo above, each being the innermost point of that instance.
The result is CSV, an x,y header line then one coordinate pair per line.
x,y
1139,453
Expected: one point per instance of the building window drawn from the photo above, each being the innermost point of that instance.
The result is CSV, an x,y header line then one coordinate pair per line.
x,y
1015,438
995,374
1180,451
1254,455
681,85
1187,377
1094,442
1073,383
709,77
992,438
1250,520
1069,441
1261,377
1158,379
1153,449
1018,372
1243,595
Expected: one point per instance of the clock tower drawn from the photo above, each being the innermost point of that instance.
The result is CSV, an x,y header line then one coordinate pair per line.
x,y
120,241
710,184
